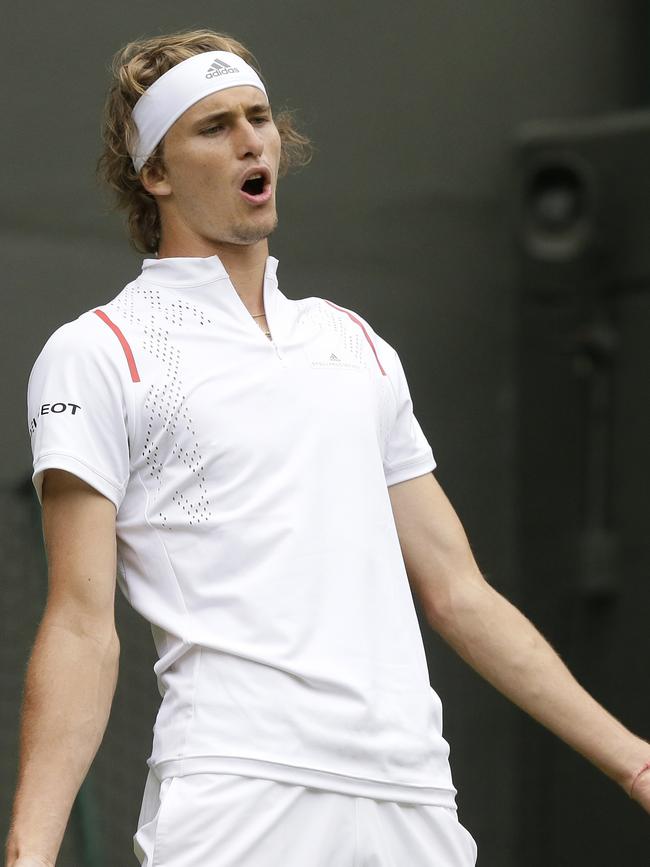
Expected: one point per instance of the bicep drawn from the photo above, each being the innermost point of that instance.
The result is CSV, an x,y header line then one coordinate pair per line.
x,y
80,543
436,551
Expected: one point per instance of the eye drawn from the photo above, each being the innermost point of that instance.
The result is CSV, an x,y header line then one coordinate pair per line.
x,y
262,118
212,129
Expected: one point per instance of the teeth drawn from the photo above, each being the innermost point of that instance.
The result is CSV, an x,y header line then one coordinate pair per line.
x,y
252,177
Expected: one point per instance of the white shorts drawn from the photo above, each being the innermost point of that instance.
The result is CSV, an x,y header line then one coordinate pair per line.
x,y
226,820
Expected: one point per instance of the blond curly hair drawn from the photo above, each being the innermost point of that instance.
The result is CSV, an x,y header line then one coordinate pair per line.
x,y
135,67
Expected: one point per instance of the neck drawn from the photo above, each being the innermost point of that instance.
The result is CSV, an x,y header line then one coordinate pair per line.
x,y
245,264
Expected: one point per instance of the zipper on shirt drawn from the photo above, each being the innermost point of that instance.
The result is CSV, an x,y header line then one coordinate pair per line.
x,y
277,351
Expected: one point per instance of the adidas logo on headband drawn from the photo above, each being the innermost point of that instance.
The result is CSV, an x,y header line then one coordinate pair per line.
x,y
181,87
219,67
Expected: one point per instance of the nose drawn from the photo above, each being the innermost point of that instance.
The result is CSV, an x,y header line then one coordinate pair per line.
x,y
249,141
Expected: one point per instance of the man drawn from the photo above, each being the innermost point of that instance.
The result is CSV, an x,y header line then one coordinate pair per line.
x,y
271,493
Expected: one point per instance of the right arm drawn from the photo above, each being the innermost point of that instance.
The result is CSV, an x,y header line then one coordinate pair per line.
x,y
72,671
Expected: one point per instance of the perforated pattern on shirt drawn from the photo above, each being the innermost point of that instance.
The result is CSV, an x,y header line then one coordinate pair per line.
x,y
165,404
319,316
315,314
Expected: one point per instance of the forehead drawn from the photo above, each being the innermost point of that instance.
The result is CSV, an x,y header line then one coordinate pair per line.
x,y
234,99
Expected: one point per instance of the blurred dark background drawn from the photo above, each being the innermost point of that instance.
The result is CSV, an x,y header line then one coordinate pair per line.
x,y
479,193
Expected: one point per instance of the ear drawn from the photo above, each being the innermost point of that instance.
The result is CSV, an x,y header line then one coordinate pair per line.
x,y
154,179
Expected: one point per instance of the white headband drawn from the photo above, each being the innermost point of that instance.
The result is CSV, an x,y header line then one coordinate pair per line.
x,y
179,88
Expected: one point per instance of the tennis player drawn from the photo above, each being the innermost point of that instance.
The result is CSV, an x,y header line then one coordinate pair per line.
x,y
250,469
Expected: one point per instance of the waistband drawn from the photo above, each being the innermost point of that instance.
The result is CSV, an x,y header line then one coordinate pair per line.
x,y
310,777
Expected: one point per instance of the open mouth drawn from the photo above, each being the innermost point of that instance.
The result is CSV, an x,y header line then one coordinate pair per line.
x,y
257,189
254,186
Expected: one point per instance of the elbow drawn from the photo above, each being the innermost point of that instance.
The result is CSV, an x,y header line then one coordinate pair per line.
x,y
110,649
113,650
77,621
464,599
114,643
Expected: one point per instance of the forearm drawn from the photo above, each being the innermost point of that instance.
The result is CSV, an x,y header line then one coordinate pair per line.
x,y
69,688
501,644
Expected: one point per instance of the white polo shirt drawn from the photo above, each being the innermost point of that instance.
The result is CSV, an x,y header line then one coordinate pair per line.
x,y
254,527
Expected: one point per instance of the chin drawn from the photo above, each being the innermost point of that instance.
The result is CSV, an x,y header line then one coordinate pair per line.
x,y
251,233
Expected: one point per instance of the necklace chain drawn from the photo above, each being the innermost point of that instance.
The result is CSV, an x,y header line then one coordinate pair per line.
x,y
256,316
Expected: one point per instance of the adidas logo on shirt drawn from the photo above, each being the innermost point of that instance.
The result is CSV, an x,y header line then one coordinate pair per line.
x,y
333,361
219,67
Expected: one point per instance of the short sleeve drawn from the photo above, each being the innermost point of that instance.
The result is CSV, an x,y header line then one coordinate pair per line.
x,y
407,452
76,408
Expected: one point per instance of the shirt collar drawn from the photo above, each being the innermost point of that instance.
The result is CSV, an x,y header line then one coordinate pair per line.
x,y
193,270
210,286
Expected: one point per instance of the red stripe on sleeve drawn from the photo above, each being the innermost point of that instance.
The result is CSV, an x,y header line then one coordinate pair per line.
x,y
362,327
135,376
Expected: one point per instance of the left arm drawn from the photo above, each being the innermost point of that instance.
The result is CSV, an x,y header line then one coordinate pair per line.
x,y
502,645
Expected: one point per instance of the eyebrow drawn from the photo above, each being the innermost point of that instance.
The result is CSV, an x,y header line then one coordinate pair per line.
x,y
227,114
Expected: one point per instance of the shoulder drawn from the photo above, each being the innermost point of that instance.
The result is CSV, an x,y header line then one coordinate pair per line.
x,y
84,334
94,329
90,340
347,317
353,322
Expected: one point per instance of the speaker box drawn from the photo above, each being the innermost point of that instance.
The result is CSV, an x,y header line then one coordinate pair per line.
x,y
582,204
